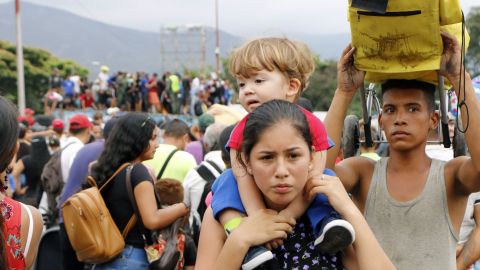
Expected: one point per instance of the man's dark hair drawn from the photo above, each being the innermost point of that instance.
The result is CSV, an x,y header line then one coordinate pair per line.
x,y
427,88
77,131
109,125
176,128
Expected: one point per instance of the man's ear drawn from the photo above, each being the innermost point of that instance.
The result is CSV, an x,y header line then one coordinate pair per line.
x,y
186,138
195,130
380,124
434,120
293,88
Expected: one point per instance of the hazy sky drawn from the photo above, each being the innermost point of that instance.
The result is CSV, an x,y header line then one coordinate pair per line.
x,y
240,17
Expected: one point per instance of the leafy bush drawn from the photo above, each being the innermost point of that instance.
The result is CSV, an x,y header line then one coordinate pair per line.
x,y
38,65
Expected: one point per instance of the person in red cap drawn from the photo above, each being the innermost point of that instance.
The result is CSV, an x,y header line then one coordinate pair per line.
x,y
27,117
28,112
79,121
59,127
80,129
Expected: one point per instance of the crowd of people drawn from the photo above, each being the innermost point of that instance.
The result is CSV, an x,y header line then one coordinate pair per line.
x,y
170,93
266,191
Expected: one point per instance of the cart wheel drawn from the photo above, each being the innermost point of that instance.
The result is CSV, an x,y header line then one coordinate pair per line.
x,y
351,136
459,145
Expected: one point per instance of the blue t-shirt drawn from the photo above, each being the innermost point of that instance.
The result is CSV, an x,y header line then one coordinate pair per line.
x,y
68,87
143,86
79,170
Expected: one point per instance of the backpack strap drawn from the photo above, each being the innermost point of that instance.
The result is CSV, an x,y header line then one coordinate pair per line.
x,y
129,226
159,176
123,166
65,147
205,173
215,166
93,183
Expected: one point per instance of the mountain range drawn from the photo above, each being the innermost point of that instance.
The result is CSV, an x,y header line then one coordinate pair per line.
x,y
92,43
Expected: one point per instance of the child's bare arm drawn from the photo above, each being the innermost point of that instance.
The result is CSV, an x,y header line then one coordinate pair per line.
x,y
249,192
298,206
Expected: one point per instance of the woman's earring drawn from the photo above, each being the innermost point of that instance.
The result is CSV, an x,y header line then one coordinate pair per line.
x,y
7,172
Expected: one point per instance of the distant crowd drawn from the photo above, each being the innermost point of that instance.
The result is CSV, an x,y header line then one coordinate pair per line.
x,y
170,93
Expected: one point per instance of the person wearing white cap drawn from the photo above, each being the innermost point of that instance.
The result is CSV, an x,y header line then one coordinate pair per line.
x,y
103,86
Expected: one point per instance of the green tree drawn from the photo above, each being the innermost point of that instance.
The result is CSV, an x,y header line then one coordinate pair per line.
x,y
473,54
321,88
38,65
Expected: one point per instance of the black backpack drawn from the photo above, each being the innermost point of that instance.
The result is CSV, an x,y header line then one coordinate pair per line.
x,y
52,179
209,177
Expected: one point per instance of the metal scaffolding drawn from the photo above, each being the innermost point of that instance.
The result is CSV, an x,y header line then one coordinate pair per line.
x,y
183,46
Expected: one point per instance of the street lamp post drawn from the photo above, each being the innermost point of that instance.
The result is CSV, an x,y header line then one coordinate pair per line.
x,y
20,71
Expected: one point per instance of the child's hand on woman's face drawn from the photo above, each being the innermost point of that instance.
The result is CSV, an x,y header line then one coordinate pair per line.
x,y
333,188
263,226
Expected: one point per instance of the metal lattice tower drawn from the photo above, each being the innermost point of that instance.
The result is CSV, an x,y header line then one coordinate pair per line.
x,y
183,46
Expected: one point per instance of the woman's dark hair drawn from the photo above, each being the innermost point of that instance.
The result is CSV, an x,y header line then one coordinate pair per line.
x,y
267,115
128,139
22,131
39,153
8,134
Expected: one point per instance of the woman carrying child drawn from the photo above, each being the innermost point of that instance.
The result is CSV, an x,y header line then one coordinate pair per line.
x,y
277,154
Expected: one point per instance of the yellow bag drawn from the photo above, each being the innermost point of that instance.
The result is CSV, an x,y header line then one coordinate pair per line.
x,y
405,42
90,227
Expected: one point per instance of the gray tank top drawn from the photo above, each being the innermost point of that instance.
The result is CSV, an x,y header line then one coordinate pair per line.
x,y
417,234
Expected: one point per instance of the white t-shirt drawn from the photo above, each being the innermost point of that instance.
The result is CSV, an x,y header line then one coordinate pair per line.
x,y
76,83
193,183
437,151
468,223
73,145
103,81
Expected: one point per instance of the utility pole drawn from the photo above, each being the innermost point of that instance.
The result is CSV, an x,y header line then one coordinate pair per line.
x,y
162,48
217,40
20,71
175,45
203,40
